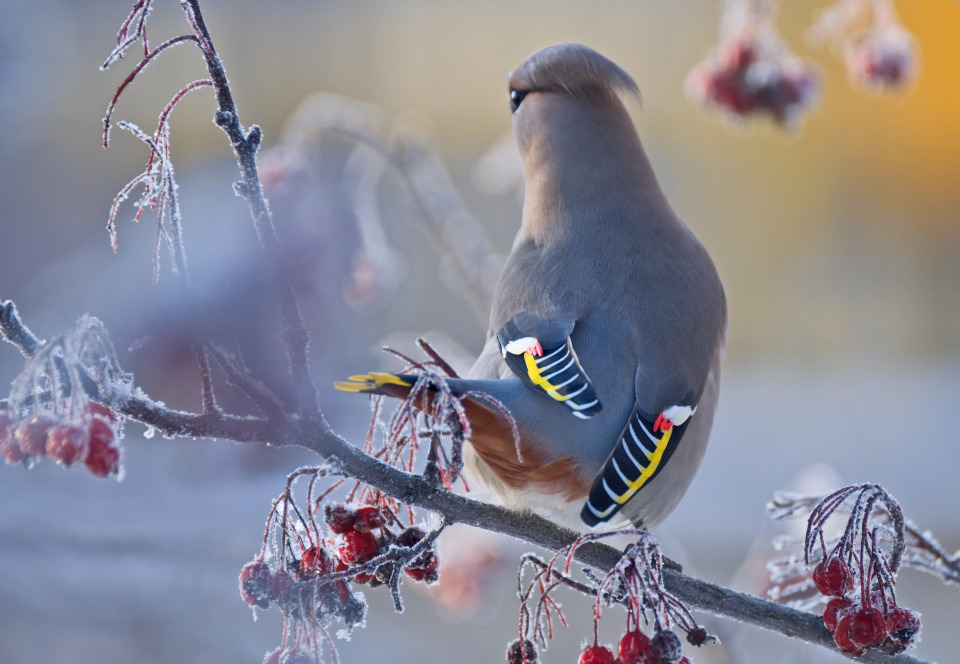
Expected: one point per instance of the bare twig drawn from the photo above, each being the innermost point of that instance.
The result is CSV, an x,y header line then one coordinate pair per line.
x,y
245,145
15,331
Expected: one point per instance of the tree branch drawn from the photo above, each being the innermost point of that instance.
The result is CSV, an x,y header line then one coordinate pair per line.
x,y
415,490
245,145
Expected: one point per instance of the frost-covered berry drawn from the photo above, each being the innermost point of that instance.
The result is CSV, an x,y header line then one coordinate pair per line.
x,y
596,655
867,627
9,447
423,567
273,657
314,562
521,652
428,573
102,458
841,636
358,547
697,636
368,518
635,648
297,656
32,435
903,625
256,584
666,646
410,536
835,609
832,577
67,444
99,410
339,518
332,598
281,585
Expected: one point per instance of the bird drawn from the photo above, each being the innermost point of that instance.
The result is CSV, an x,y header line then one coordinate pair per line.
x,y
608,321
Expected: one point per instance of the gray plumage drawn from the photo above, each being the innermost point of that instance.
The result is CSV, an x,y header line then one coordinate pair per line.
x,y
600,245
600,251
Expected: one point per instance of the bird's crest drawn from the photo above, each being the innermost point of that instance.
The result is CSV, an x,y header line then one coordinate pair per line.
x,y
572,68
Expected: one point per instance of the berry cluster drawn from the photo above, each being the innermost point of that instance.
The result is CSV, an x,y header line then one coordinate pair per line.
x,y
879,53
328,566
358,545
90,439
882,59
751,72
862,620
316,556
635,582
637,648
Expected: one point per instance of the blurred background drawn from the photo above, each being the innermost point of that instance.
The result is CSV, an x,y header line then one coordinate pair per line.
x,y
838,244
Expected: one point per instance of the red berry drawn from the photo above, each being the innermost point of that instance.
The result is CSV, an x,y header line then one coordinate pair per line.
x,y
842,638
297,656
368,518
832,577
102,457
333,597
867,627
522,652
67,444
364,578
358,547
96,409
428,573
281,584
684,660
339,518
273,657
635,648
9,446
903,625
596,655
666,646
32,435
256,584
835,609
314,562
410,536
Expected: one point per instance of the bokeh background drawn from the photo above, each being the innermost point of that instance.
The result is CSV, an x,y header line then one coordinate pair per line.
x,y
838,243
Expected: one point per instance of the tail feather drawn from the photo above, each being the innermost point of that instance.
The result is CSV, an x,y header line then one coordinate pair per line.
x,y
376,382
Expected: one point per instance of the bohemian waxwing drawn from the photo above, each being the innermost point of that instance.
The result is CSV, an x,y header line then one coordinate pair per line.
x,y
608,320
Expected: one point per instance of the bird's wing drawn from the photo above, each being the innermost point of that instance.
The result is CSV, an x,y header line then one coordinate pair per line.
x,y
540,353
643,449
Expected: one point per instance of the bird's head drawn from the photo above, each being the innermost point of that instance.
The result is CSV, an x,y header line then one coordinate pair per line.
x,y
561,81
575,136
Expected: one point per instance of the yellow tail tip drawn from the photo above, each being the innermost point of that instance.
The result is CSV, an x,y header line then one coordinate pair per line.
x,y
381,378
370,382
344,386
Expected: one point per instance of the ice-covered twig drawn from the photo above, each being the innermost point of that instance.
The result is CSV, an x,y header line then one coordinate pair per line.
x,y
15,331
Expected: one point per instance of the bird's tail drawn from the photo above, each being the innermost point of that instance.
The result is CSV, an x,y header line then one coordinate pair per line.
x,y
376,382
